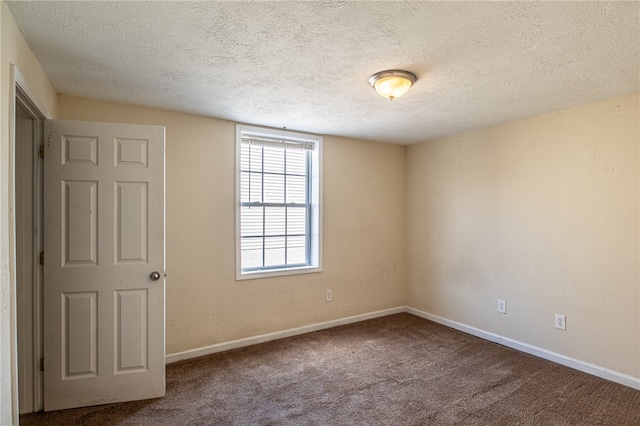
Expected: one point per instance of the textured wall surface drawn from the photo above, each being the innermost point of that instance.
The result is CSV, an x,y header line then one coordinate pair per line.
x,y
305,64
364,202
14,51
542,213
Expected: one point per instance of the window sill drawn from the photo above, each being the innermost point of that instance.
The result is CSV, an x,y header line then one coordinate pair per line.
x,y
240,276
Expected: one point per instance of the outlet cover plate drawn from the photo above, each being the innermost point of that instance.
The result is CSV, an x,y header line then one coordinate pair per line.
x,y
502,306
561,322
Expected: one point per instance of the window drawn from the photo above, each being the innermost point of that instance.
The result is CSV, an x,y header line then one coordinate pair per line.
x,y
278,195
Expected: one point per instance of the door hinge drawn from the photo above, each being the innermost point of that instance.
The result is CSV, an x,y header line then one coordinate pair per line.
x,y
41,151
42,258
41,364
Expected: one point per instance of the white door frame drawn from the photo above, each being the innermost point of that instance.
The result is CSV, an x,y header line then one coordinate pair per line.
x,y
29,292
18,83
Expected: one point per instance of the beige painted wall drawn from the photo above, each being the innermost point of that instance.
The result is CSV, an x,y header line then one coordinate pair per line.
x,y
14,50
543,213
364,200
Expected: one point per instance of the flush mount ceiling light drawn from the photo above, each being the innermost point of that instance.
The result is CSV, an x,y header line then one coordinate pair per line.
x,y
392,84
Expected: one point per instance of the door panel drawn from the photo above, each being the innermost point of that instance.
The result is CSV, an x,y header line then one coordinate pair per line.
x,y
79,223
104,235
79,335
131,216
131,316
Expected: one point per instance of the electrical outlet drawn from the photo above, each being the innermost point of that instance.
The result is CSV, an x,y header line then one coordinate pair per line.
x,y
502,306
329,295
561,322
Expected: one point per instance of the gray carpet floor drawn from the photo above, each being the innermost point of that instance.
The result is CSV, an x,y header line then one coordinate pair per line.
x,y
395,370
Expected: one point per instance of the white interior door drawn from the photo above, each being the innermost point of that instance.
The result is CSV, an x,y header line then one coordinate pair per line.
x,y
104,313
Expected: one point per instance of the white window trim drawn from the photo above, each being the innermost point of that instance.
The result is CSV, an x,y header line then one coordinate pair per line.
x,y
316,201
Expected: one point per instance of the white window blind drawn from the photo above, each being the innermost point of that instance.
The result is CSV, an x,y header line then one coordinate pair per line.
x,y
276,217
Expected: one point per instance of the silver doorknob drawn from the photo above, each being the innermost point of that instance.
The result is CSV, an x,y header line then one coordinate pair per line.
x,y
155,276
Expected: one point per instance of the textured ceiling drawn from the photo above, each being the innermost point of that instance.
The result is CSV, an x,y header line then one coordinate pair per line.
x,y
305,65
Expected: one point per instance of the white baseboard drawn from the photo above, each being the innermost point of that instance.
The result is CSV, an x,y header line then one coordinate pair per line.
x,y
234,344
585,367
